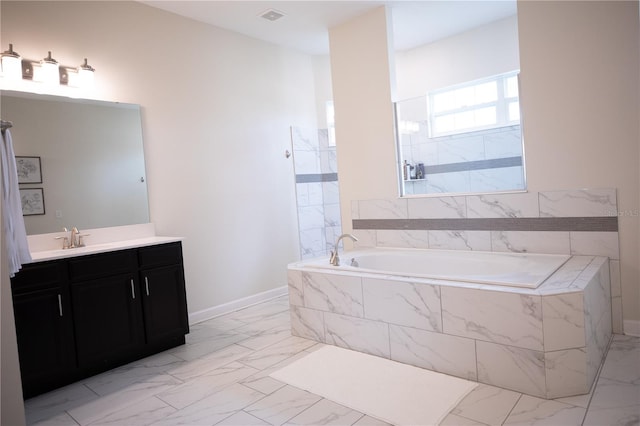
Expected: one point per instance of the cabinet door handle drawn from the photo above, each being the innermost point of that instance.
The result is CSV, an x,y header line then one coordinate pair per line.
x,y
146,284
133,291
60,304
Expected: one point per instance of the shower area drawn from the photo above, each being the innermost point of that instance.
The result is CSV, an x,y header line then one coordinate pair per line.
x,y
318,199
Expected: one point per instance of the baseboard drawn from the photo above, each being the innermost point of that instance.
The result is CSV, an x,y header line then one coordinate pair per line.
x,y
631,327
215,311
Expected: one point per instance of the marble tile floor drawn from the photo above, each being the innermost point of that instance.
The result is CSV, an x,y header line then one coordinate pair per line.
x,y
221,377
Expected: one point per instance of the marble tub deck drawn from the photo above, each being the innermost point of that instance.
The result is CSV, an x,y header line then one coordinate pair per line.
x,y
546,342
220,377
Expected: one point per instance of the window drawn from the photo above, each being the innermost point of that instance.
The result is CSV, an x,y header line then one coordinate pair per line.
x,y
476,105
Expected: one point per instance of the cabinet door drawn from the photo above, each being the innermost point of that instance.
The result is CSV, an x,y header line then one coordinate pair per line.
x,y
108,320
164,303
44,332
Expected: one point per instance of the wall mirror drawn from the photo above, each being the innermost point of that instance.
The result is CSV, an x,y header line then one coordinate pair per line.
x,y
91,158
458,125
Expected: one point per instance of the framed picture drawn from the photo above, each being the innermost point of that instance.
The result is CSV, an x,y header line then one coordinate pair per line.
x,y
29,169
32,201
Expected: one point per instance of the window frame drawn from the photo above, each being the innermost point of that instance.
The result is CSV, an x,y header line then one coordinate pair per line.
x,y
501,105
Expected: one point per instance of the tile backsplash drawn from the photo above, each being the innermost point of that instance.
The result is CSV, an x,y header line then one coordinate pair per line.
x,y
578,222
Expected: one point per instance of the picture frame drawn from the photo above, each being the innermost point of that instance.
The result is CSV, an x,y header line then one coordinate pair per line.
x,y
32,201
29,169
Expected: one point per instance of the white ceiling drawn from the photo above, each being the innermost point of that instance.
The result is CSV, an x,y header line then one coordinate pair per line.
x,y
305,24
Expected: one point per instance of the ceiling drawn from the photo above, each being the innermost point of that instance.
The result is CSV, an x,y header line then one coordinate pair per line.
x,y
305,24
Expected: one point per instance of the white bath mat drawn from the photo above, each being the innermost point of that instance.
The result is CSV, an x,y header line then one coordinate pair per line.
x,y
397,393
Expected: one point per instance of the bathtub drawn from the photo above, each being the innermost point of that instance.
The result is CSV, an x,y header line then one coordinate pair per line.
x,y
525,270
538,324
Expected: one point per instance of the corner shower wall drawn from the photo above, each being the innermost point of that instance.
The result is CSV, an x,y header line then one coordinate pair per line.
x,y
480,161
318,200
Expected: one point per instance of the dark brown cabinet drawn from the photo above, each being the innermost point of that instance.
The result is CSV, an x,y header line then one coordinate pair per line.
x,y
161,272
107,319
83,315
106,308
44,326
45,339
163,318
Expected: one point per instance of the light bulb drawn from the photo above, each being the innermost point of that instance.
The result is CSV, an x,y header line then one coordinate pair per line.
x,y
11,64
49,71
85,75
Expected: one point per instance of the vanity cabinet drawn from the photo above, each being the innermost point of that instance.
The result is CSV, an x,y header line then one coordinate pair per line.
x,y
44,326
106,308
82,315
162,281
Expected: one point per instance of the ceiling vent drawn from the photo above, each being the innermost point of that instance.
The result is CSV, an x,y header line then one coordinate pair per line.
x,y
271,15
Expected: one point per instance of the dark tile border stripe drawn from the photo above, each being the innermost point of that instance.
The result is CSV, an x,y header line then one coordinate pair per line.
x,y
596,224
495,163
318,177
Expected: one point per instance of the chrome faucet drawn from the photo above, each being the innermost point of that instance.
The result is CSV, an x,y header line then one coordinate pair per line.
x,y
76,238
65,240
335,259
73,240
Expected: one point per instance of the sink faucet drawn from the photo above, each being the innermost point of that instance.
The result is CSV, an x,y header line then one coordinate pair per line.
x,y
73,240
335,259
65,240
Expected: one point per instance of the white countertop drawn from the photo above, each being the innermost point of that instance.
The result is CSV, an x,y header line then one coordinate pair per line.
x,y
49,246
40,256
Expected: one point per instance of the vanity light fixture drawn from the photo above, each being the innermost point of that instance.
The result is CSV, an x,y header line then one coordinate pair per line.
x,y
47,70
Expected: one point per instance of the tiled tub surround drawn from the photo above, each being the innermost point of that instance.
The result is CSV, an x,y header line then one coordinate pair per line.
x,y
576,222
547,342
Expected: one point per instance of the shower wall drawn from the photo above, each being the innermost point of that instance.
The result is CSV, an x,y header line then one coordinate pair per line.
x,y
480,161
315,168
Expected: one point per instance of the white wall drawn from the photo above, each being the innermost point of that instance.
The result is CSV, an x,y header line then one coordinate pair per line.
x,y
580,94
216,112
322,84
482,52
361,70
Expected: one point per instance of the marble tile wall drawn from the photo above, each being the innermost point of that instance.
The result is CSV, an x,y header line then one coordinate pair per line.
x,y
460,158
551,345
316,190
392,223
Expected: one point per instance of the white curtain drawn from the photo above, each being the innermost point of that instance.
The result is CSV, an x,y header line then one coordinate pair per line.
x,y
15,233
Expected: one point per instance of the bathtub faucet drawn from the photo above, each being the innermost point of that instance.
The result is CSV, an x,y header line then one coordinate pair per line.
x,y
335,259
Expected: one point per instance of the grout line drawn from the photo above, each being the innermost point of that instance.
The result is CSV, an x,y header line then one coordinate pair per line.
x,y
314,404
514,406
72,418
84,384
594,386
468,418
